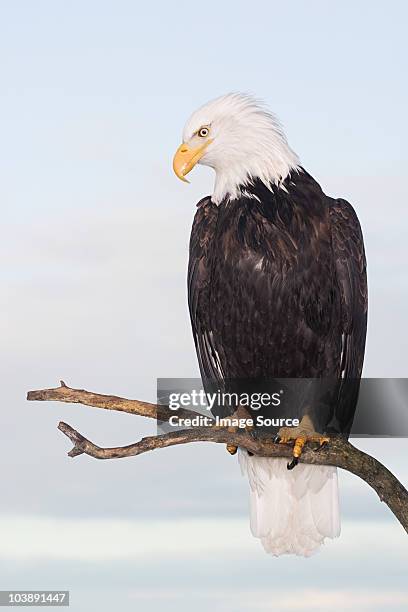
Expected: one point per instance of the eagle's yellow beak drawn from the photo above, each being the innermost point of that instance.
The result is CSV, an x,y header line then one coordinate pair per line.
x,y
186,158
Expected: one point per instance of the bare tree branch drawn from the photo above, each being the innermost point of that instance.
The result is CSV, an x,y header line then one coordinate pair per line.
x,y
338,452
63,393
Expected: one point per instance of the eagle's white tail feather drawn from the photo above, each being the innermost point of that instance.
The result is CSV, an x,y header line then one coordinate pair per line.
x,y
291,511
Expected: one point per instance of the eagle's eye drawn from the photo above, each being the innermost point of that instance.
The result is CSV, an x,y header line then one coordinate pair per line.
x,y
203,132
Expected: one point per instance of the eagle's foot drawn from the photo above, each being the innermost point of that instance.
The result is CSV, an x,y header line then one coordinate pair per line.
x,y
300,435
232,449
230,422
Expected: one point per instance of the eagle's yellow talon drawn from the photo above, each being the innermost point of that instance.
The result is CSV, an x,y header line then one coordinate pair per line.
x,y
240,413
298,447
299,436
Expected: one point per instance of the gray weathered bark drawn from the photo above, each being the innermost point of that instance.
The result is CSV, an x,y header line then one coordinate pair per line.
x,y
338,452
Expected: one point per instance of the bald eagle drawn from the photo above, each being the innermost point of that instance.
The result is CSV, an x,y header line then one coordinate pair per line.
x,y
277,290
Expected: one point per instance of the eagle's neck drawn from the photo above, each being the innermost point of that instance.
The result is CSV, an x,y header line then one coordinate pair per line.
x,y
269,161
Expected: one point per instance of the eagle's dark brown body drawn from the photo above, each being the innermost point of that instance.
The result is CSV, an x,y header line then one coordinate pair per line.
x,y
277,289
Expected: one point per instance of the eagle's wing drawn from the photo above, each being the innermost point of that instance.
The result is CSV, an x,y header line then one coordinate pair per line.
x,y
350,264
198,285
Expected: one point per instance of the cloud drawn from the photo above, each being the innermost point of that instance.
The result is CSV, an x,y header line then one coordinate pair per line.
x,y
243,598
214,562
30,538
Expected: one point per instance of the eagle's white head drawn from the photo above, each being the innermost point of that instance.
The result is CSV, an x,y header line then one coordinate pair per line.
x,y
238,137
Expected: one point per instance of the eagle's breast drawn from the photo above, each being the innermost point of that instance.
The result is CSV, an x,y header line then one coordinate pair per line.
x,y
265,282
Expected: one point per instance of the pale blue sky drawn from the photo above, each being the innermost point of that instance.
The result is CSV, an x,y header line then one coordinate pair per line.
x,y
94,96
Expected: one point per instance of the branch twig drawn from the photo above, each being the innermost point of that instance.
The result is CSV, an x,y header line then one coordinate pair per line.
x,y
338,452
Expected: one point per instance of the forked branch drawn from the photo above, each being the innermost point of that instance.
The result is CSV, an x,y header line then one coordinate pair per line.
x,y
338,452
